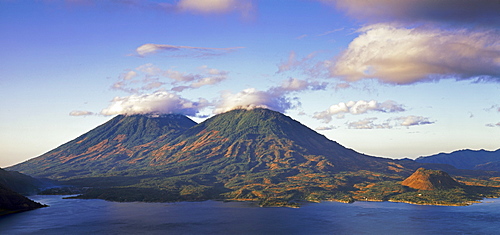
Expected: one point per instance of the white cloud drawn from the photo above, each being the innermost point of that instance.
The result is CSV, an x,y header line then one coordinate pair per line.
x,y
80,113
297,85
149,77
160,102
151,48
143,79
207,81
252,98
294,84
358,107
413,121
209,76
289,64
129,75
404,56
370,123
207,5
216,6
180,76
275,98
149,69
325,128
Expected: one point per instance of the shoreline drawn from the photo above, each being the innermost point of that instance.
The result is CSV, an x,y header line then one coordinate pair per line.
x,y
296,204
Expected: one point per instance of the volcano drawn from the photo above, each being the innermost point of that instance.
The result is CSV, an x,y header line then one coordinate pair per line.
x,y
424,179
255,154
112,146
236,142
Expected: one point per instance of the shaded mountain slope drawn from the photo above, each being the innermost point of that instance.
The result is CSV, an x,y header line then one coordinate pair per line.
x,y
467,159
20,183
112,146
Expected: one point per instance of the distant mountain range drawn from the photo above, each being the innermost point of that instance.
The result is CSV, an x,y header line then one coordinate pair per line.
x,y
253,154
467,159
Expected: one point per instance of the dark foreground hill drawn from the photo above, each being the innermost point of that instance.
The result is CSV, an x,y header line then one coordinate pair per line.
x,y
20,183
12,201
467,159
256,154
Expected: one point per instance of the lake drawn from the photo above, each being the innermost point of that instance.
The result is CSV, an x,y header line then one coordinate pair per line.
x,y
76,216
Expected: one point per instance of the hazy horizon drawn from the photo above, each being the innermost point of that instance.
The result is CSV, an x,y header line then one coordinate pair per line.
x,y
397,79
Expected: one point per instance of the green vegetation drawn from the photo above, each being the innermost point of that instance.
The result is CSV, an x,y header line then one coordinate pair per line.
x,y
278,189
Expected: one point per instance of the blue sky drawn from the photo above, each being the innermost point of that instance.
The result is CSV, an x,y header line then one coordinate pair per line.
x,y
387,78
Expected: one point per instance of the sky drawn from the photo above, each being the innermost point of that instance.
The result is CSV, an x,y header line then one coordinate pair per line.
x,y
388,78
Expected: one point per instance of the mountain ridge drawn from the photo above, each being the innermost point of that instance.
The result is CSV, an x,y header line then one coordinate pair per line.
x,y
467,159
255,154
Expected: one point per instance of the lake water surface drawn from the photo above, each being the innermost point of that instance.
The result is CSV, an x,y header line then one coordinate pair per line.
x,y
76,216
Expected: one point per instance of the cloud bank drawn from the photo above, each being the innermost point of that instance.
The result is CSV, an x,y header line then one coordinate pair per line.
x,y
404,56
154,90
358,107
275,98
413,120
408,121
148,77
209,76
160,102
252,98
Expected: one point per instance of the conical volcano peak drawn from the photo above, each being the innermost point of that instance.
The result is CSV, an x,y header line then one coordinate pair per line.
x,y
254,121
424,179
110,144
255,131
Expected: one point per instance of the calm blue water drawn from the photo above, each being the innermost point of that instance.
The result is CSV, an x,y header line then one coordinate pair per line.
x,y
212,217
